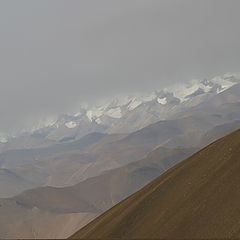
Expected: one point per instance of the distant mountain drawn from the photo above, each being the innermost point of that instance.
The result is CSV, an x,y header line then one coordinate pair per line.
x,y
67,163
11,183
22,169
127,113
17,222
196,199
218,132
83,201
58,212
169,121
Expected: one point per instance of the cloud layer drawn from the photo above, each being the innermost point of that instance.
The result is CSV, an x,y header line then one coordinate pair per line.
x,y
55,54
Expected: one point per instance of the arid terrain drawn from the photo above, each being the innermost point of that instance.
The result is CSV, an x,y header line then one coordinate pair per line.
x,y
196,199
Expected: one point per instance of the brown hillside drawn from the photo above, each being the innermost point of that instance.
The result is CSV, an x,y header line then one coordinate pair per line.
x,y
198,198
50,212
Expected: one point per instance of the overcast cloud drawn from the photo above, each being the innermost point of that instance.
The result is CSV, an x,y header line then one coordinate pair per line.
x,y
55,54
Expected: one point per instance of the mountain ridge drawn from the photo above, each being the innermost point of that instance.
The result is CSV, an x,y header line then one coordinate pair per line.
x,y
106,115
85,200
196,199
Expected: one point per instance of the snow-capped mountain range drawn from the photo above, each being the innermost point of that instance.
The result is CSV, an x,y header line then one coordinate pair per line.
x,y
126,113
175,94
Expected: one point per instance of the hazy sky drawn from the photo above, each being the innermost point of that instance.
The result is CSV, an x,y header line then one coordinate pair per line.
x,y
55,53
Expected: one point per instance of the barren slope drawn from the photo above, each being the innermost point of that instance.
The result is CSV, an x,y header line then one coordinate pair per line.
x,y
46,210
198,198
11,183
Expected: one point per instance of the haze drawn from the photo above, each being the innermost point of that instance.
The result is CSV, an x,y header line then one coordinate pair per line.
x,y
56,54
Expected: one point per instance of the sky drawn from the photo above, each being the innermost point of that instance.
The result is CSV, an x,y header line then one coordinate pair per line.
x,y
55,54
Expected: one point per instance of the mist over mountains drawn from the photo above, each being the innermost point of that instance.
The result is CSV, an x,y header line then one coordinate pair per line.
x,y
119,119
125,113
56,55
72,171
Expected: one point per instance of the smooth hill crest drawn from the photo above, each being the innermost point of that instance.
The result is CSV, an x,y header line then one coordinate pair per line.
x,y
197,198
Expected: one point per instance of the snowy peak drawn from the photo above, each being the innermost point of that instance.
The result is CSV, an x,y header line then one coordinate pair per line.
x,y
106,113
194,88
121,105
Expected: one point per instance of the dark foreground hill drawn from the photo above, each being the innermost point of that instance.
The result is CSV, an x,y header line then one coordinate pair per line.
x,y
198,198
